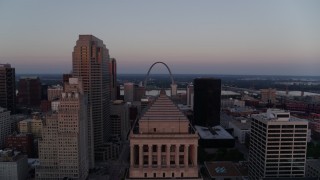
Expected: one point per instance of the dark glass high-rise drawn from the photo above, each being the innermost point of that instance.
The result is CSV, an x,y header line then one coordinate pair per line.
x,y
207,94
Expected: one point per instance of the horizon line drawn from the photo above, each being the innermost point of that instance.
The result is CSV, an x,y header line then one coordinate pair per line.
x,y
176,74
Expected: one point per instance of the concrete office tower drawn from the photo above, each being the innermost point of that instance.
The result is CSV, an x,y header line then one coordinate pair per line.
x,y
63,151
190,94
139,92
113,78
33,126
278,145
268,95
65,78
54,92
7,87
90,63
5,125
162,144
120,119
128,92
241,129
13,166
15,119
207,101
29,93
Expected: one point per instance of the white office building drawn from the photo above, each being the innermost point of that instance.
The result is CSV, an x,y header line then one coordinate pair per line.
x,y
241,128
278,145
13,166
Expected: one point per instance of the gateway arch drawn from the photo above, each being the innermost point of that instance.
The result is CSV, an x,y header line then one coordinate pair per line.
x,y
173,84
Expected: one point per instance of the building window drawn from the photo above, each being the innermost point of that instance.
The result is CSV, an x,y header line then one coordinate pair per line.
x,y
172,148
301,126
154,148
181,158
145,148
287,126
163,160
145,175
163,148
154,160
172,159
154,129
145,160
181,148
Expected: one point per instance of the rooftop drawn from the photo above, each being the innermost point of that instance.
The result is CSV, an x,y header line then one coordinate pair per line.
x,y
296,93
242,123
222,169
3,109
58,86
32,120
163,109
9,155
313,162
229,93
277,115
33,162
241,109
216,132
26,120
115,102
5,65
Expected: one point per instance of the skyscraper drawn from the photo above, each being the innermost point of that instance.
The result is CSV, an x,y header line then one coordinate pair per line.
x,y
5,128
113,78
120,119
278,145
190,94
207,94
268,95
90,63
7,87
30,92
128,92
63,146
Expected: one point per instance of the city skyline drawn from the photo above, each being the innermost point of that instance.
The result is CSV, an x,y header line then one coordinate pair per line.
x,y
240,38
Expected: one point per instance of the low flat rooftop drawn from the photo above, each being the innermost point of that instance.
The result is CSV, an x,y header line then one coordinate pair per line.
x,y
222,169
313,162
3,109
264,118
216,132
243,124
229,93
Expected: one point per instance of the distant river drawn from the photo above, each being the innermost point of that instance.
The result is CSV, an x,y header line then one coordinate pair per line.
x,y
156,92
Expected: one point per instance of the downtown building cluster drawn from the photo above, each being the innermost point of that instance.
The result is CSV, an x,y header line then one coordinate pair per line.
x,y
76,126
81,127
86,121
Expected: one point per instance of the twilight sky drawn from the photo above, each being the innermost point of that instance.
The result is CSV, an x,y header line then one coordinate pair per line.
x,y
214,37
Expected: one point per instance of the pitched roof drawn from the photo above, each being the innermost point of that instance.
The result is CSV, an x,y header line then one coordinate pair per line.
x,y
163,109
